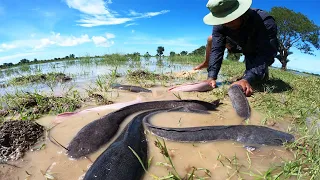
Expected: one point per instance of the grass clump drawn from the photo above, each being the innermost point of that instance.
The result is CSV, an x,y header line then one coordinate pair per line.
x,y
31,106
40,78
189,59
145,78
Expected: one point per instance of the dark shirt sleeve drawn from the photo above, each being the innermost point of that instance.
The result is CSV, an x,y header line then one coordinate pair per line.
x,y
257,67
217,52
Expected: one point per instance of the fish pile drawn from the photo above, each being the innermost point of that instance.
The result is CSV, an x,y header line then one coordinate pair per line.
x,y
120,163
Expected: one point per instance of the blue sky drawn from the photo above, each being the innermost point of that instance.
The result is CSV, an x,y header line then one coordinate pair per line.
x,y
56,28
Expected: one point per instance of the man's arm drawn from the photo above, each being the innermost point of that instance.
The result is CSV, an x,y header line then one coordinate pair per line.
x,y
265,53
217,52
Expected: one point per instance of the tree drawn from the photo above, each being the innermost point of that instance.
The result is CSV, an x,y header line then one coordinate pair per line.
x,y
172,53
200,51
160,50
136,54
184,53
24,61
71,56
147,54
294,30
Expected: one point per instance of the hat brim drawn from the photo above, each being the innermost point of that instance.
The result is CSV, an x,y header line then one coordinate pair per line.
x,y
244,5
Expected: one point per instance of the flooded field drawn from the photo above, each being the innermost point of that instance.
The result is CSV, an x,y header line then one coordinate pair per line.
x,y
86,71
211,160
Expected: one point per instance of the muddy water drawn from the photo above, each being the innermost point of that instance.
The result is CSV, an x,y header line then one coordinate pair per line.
x,y
213,156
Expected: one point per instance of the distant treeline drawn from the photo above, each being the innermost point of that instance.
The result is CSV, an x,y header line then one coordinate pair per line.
x,y
199,51
36,61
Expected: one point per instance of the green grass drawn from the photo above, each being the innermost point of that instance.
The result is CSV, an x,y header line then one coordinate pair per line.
x,y
37,78
145,78
31,106
292,98
186,59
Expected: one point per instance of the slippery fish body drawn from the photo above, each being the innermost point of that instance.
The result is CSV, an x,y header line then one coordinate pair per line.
x,y
130,88
247,134
118,161
63,116
197,87
239,101
97,133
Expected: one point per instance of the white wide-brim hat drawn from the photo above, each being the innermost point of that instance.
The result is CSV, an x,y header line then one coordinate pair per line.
x,y
224,11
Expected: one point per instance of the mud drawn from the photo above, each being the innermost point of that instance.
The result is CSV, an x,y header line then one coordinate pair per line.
x,y
52,160
16,137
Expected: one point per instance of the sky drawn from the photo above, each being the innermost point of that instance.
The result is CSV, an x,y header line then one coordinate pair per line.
x,y
56,28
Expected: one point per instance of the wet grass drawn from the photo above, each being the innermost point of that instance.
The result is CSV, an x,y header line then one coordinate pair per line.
x,y
293,98
145,78
186,59
101,91
39,78
31,106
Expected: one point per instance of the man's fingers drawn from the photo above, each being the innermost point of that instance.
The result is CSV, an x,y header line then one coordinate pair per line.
x,y
249,91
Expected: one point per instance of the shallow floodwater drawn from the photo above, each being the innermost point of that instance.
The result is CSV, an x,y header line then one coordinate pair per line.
x,y
84,73
211,155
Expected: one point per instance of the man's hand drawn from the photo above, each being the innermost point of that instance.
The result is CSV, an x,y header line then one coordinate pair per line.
x,y
212,82
246,87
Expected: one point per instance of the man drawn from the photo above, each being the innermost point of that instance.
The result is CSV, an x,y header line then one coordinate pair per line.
x,y
240,28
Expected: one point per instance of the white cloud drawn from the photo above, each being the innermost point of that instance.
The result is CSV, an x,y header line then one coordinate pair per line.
x,y
54,39
57,39
5,46
73,41
132,31
44,43
110,36
151,14
91,21
101,41
130,24
97,13
134,13
92,7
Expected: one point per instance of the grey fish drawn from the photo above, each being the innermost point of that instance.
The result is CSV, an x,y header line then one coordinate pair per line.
x,y
239,101
118,161
97,133
247,134
130,88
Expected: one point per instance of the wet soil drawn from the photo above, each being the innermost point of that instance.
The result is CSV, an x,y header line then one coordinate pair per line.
x,y
16,137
